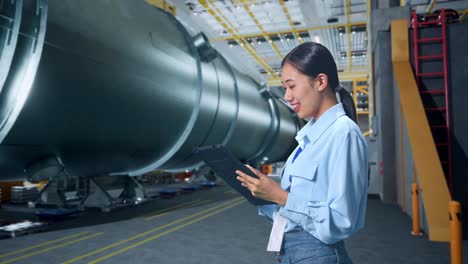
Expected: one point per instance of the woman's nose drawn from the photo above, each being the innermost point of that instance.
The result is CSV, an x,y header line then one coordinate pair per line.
x,y
287,95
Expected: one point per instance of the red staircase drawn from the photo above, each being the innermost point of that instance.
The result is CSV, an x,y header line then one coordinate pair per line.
x,y
433,81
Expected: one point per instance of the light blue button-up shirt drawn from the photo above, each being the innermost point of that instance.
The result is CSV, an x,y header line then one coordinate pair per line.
x,y
329,180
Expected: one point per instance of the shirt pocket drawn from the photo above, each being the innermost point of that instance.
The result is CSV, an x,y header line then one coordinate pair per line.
x,y
303,178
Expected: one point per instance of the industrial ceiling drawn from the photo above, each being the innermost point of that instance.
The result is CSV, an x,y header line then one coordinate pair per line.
x,y
259,33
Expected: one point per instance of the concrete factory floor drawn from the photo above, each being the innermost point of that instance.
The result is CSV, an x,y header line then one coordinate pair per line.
x,y
207,226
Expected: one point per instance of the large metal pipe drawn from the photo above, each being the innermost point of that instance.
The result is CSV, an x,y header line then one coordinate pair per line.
x,y
122,88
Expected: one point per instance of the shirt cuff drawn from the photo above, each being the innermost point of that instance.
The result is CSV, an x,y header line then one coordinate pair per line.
x,y
267,210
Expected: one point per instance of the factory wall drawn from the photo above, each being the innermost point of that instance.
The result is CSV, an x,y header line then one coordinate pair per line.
x,y
394,149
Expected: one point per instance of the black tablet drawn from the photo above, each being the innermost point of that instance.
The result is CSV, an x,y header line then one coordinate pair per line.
x,y
225,164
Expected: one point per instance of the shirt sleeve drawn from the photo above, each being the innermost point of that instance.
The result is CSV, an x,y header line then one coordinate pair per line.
x,y
341,213
267,211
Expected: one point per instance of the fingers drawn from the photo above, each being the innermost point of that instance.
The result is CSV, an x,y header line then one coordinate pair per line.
x,y
245,178
256,172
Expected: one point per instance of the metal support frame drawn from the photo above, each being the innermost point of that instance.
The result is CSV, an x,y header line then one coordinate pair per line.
x,y
99,195
362,89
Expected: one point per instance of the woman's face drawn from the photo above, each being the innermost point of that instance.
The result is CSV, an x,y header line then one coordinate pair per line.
x,y
303,93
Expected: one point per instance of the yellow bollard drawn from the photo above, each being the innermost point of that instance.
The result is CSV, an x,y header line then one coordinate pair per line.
x,y
415,202
455,232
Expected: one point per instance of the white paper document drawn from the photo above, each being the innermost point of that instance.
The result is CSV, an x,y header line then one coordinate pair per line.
x,y
277,233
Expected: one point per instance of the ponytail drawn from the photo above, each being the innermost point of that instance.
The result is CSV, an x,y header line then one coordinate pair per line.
x,y
348,103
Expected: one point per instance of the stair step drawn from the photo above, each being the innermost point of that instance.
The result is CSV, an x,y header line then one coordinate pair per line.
x,y
434,109
427,40
431,57
430,74
439,91
430,22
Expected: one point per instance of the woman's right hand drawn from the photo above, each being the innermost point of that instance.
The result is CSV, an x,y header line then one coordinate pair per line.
x,y
264,187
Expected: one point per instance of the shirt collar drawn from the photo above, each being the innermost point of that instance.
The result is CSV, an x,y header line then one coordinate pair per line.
x,y
312,131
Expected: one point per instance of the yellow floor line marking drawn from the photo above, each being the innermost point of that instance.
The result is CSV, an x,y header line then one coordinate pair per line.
x,y
40,245
162,234
148,232
183,207
170,209
51,248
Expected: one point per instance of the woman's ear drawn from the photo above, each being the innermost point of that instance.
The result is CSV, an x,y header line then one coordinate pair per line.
x,y
322,80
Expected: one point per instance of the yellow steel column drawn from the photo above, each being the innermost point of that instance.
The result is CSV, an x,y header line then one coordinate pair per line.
x,y
348,33
370,64
355,94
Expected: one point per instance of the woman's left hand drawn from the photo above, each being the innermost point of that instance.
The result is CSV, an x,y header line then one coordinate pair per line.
x,y
264,187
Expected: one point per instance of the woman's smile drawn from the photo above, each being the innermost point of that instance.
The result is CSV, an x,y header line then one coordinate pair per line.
x,y
297,107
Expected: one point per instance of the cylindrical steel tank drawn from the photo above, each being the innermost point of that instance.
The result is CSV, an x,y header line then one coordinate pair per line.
x,y
122,88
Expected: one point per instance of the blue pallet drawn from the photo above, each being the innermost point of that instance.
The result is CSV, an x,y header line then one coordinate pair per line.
x,y
207,184
57,213
191,188
168,193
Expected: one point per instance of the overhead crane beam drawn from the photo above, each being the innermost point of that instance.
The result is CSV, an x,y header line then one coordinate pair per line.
x,y
291,23
343,76
231,29
431,6
302,30
264,34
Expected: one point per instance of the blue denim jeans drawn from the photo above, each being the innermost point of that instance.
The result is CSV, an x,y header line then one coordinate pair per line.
x,y
303,248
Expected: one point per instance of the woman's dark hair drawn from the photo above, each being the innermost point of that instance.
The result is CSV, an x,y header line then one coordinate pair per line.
x,y
312,58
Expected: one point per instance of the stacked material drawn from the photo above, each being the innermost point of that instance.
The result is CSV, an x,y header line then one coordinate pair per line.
x,y
24,194
20,228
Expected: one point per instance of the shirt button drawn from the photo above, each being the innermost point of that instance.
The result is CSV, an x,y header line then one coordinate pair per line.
x,y
280,260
